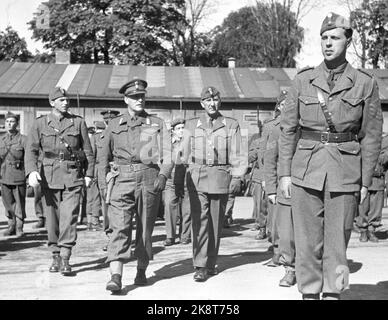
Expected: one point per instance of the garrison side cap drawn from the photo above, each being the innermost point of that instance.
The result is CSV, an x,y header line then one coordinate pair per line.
x,y
11,115
177,121
135,86
109,114
333,20
57,92
209,92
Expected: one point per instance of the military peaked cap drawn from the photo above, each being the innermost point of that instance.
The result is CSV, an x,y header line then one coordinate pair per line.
x,y
108,114
177,121
56,93
333,21
133,87
209,92
11,115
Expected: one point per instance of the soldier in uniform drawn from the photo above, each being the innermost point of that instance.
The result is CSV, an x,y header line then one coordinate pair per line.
x,y
217,163
12,177
176,198
370,211
282,216
255,157
140,147
67,165
99,139
338,111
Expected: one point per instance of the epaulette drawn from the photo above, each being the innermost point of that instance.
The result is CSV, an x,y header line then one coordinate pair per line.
x,y
365,72
304,69
269,120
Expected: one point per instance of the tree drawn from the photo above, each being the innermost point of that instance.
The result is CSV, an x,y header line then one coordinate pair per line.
x,y
12,47
190,47
370,20
264,35
111,31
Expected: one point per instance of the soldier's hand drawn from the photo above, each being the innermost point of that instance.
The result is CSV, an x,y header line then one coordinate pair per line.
x,y
160,183
88,182
34,179
285,187
272,198
235,186
363,193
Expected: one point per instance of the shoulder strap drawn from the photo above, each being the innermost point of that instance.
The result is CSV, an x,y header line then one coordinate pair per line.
x,y
325,111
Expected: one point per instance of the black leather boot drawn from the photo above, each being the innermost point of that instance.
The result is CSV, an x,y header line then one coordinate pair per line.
x,y
65,267
56,264
140,279
114,284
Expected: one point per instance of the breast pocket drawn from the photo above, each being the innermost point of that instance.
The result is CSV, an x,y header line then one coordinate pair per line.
x,y
351,108
73,138
198,146
18,152
47,139
309,108
302,158
120,138
221,147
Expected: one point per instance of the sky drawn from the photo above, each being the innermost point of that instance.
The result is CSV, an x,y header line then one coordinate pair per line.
x,y
18,12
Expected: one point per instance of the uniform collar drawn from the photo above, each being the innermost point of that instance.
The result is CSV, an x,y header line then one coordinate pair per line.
x,y
319,80
137,120
55,122
218,122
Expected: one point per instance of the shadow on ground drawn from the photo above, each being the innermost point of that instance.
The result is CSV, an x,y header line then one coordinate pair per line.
x,y
29,240
354,266
378,291
184,267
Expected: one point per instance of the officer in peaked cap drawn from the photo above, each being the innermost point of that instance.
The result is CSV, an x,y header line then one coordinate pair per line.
x,y
108,114
12,175
59,141
139,146
330,168
134,87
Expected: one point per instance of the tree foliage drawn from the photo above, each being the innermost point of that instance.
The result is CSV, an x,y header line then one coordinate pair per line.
x,y
111,31
264,35
370,20
12,47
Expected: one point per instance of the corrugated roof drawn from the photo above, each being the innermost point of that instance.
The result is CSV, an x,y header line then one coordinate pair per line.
x,y
34,80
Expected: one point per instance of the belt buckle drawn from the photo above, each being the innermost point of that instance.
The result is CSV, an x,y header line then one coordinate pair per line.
x,y
324,137
61,156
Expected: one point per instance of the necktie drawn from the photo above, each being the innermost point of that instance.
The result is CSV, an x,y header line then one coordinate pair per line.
x,y
330,79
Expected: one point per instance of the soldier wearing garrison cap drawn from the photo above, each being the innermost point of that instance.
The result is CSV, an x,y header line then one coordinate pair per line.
x,y
139,146
176,198
59,158
108,114
12,175
330,168
217,160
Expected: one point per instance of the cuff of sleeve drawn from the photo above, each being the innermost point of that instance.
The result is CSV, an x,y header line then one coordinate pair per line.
x,y
367,182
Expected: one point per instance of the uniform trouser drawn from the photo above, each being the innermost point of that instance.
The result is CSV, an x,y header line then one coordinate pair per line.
x,y
176,205
285,226
133,193
230,205
273,225
207,216
83,203
104,207
14,200
259,211
62,208
323,223
93,202
370,211
38,205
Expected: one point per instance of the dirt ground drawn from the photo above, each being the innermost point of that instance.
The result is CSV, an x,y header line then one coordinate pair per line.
x,y
244,275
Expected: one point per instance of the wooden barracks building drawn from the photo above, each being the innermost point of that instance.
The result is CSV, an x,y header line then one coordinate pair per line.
x,y
248,94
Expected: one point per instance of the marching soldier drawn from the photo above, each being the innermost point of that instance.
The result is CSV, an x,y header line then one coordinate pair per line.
x,y
99,139
12,176
176,199
282,216
370,211
140,148
338,110
67,165
217,164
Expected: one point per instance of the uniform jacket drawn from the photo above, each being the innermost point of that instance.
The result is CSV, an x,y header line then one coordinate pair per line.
x,y
214,153
12,150
45,138
378,181
97,142
143,139
179,171
355,107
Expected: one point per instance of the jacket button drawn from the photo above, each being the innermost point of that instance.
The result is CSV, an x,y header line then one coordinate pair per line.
x,y
331,98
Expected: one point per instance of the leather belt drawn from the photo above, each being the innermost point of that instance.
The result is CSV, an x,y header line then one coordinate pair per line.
x,y
59,156
134,166
329,137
